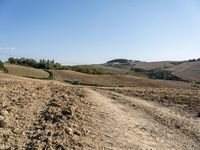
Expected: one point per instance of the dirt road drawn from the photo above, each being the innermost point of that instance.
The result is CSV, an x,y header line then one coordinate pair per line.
x,y
128,123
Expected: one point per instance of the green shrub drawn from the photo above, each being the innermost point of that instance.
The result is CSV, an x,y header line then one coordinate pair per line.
x,y
75,82
2,68
155,74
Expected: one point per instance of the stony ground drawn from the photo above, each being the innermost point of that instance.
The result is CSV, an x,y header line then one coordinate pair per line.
x,y
36,115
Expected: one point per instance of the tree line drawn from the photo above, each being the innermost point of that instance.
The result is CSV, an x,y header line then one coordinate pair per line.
x,y
41,64
193,60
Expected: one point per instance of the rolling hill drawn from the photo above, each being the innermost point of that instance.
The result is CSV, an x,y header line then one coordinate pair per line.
x,y
115,80
186,70
26,71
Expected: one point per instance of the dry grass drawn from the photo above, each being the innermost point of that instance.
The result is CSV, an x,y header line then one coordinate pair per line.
x,y
26,71
188,71
153,65
115,80
111,69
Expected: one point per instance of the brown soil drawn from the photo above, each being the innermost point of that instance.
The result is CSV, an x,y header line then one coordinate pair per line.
x,y
40,115
182,100
37,114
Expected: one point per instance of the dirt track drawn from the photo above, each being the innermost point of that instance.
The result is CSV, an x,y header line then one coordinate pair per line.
x,y
49,115
130,123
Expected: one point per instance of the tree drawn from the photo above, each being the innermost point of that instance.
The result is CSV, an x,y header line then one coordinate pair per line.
x,y
12,60
42,64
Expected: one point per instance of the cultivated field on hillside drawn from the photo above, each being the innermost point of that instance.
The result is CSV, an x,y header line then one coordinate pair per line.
x,y
187,70
184,69
115,80
112,69
26,71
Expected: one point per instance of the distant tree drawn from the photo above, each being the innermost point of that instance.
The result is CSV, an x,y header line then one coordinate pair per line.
x,y
192,60
12,60
42,64
119,61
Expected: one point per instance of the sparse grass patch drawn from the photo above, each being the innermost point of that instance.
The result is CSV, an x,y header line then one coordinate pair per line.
x,y
27,71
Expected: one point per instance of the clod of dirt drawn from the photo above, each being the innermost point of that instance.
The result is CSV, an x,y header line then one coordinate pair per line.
x,y
54,104
2,121
69,131
5,147
67,111
4,113
198,115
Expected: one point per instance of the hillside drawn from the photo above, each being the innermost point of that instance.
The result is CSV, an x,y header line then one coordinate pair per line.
x,y
186,70
111,69
26,71
114,80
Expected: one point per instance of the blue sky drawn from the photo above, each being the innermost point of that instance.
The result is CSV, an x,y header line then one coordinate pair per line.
x,y
94,31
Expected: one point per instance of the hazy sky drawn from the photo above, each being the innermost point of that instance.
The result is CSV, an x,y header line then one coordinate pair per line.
x,y
94,31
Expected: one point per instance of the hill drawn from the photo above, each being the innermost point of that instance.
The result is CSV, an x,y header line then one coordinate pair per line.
x,y
114,80
26,71
111,69
186,70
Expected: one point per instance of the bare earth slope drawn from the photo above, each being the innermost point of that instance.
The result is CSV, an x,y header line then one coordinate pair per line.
x,y
51,115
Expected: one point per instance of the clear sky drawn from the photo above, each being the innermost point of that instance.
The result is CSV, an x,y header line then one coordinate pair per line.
x,y
94,31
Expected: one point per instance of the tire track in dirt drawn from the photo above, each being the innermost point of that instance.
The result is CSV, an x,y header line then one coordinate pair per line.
x,y
119,125
187,125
